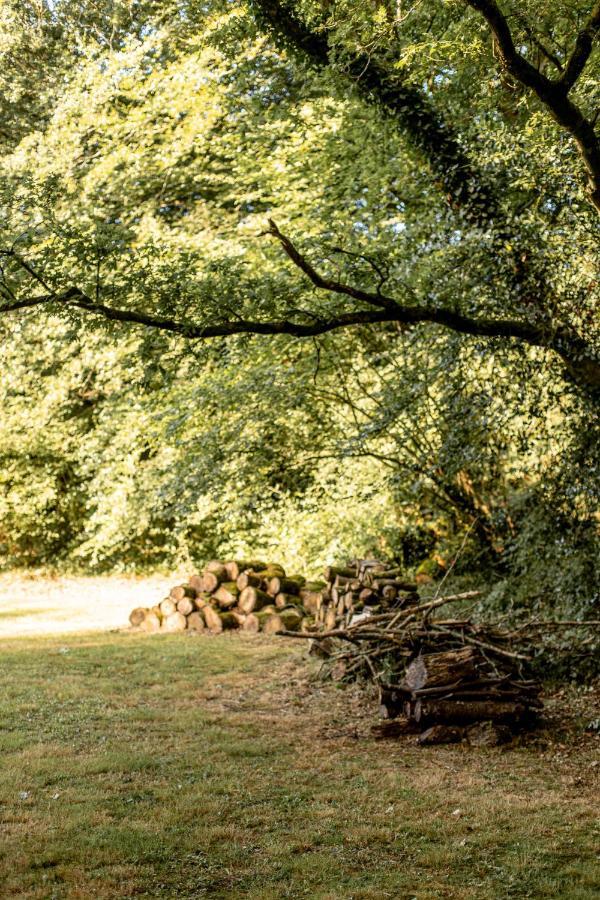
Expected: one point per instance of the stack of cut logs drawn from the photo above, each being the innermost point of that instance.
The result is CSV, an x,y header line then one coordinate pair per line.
x,y
448,696
251,595
362,588
448,679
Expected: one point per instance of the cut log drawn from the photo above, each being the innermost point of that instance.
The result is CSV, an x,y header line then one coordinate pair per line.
x,y
311,600
283,600
442,668
239,616
201,601
196,622
252,599
299,579
279,585
389,592
151,622
251,624
186,606
181,591
465,711
440,734
227,594
212,580
157,612
212,619
249,579
216,567
392,700
228,620
331,573
195,582
168,607
272,624
137,615
330,619
174,622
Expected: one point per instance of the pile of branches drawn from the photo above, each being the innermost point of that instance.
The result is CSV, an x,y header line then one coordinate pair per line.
x,y
248,595
444,678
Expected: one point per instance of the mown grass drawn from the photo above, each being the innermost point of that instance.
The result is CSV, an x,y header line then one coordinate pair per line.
x,y
168,766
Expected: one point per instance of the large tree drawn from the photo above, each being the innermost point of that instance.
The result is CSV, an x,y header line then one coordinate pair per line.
x,y
501,126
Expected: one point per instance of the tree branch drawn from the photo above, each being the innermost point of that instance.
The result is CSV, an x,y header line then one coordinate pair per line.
x,y
582,363
553,94
583,47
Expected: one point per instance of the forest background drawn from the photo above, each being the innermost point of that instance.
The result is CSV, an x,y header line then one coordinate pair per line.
x,y
383,191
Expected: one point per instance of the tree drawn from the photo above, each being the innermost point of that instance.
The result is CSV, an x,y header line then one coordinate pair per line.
x,y
499,220
384,203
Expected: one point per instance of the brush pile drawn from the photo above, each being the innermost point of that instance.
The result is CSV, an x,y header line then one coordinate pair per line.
x,y
445,678
250,595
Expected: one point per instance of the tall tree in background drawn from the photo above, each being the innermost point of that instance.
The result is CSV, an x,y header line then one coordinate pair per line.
x,y
414,183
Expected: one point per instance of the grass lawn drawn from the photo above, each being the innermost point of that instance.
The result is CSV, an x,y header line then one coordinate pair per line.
x,y
180,766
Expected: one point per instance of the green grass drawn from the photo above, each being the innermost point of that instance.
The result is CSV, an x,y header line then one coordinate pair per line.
x,y
168,766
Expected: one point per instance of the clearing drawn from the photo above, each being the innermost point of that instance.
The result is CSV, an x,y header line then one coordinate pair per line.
x,y
189,766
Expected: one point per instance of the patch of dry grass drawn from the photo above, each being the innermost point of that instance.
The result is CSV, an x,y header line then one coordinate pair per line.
x,y
179,766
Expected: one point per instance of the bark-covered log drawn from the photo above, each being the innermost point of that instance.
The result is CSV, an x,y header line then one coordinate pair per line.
x,y
286,620
283,600
212,580
465,711
186,606
447,667
180,591
331,573
279,585
488,734
228,620
249,579
216,567
174,622
252,599
195,622
227,594
392,728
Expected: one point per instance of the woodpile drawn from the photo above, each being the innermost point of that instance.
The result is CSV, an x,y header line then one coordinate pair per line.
x,y
447,679
363,587
248,595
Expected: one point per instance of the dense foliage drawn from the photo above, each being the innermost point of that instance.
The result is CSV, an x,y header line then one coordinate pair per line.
x,y
421,192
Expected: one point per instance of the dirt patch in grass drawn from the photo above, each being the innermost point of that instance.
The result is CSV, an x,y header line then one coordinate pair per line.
x,y
179,766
